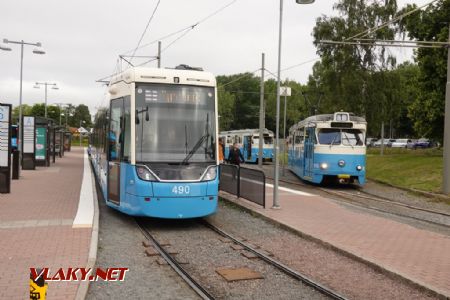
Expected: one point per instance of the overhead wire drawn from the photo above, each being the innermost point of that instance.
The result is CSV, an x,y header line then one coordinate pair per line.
x,y
192,26
183,32
145,30
387,23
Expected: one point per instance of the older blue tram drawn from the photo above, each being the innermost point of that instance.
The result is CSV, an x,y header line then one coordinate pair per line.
x,y
329,147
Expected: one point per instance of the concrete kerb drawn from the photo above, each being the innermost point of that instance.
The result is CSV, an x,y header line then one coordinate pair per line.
x,y
84,285
376,266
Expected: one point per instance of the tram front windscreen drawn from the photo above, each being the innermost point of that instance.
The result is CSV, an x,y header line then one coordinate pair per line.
x,y
175,124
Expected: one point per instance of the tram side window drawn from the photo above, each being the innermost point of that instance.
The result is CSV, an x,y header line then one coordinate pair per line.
x,y
126,133
114,134
299,137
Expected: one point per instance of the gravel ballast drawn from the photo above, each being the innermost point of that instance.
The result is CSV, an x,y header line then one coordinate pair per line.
x,y
345,275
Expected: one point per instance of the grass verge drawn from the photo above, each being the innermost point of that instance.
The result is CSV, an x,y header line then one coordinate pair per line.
x,y
415,169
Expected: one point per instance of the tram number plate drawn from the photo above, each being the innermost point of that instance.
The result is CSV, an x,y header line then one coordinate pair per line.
x,y
343,176
181,189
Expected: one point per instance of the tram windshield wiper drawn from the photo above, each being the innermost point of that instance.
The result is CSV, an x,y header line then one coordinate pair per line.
x,y
346,137
194,149
197,145
332,142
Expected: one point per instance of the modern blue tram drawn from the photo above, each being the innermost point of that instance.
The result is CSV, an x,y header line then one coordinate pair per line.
x,y
248,141
154,150
329,148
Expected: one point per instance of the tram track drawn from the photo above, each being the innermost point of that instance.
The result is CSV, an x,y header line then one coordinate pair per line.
x,y
349,197
198,286
298,276
194,284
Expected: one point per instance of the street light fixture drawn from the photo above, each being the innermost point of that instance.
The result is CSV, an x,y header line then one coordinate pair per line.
x,y
37,50
54,87
276,167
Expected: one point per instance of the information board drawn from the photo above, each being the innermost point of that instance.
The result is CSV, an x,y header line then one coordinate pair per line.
x,y
28,134
4,135
41,143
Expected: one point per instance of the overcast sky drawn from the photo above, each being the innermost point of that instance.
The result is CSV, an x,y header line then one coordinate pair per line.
x,y
83,39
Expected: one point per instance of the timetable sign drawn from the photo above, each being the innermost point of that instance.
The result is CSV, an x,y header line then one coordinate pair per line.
x,y
28,135
4,135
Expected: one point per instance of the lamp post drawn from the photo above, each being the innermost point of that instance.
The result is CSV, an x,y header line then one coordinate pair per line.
x,y
81,121
60,113
37,50
276,167
54,87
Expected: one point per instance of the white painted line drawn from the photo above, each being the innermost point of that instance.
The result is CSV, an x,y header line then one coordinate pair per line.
x,y
85,212
290,190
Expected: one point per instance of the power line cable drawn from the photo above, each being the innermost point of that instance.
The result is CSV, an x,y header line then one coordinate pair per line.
x,y
145,30
183,32
192,26
387,23
239,78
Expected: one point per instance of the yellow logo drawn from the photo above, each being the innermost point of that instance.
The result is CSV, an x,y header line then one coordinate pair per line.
x,y
38,289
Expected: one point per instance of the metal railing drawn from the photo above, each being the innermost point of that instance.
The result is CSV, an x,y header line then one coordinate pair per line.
x,y
246,183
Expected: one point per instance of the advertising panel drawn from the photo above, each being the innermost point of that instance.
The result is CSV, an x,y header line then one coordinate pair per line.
x,y
41,143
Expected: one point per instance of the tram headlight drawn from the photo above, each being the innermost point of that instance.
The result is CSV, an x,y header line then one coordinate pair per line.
x,y
144,173
210,174
324,166
359,168
341,163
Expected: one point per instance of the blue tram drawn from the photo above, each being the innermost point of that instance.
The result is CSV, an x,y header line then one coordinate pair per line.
x,y
329,147
248,141
154,149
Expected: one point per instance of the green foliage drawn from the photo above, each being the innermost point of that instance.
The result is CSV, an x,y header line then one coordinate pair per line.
x,y
239,100
72,113
427,110
363,79
26,111
80,113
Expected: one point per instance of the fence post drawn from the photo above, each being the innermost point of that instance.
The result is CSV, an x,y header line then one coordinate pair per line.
x,y
238,181
264,190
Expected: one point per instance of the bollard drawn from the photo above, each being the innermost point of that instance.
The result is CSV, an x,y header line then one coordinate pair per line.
x,y
15,165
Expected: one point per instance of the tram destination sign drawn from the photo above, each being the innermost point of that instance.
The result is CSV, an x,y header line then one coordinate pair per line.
x,y
177,95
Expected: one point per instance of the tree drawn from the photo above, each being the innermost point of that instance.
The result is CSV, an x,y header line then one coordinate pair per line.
x,y
26,111
356,78
427,110
81,113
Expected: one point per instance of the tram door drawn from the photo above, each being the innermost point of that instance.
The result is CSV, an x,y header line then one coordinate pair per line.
x,y
115,150
247,147
309,152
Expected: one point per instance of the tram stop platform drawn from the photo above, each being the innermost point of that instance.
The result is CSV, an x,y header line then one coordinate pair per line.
x,y
49,220
418,256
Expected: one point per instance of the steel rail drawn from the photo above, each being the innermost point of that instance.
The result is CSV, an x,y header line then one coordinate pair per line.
x,y
195,285
301,277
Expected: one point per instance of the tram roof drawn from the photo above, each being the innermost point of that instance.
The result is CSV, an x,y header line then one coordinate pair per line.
x,y
328,118
265,130
165,75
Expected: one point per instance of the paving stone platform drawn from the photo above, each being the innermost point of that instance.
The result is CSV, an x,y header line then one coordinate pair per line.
x,y
36,227
418,255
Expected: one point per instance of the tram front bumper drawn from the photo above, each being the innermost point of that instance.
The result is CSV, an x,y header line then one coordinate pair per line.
x,y
170,207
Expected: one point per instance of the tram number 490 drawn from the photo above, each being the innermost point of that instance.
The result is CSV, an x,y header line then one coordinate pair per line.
x,y
181,189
